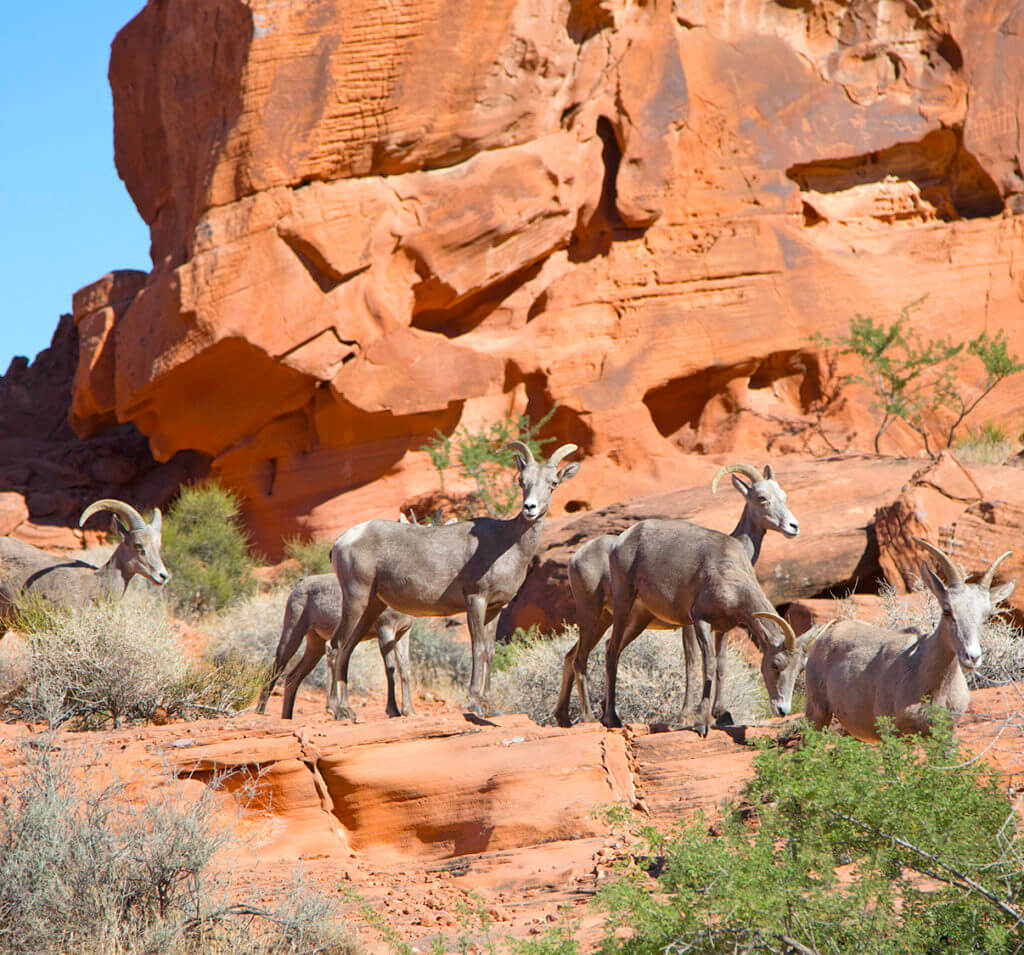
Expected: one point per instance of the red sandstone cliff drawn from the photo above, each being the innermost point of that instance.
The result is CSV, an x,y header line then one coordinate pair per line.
x,y
370,220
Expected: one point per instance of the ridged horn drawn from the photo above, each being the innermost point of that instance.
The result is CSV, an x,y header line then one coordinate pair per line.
x,y
135,520
953,576
787,631
517,447
986,581
746,469
563,452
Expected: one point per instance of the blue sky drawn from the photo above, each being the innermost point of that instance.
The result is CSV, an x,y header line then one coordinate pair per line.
x,y
67,217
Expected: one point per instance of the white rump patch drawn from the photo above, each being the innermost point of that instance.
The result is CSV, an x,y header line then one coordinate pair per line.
x,y
351,535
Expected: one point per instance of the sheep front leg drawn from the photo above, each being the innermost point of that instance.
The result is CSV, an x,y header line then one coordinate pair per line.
x,y
705,640
314,650
481,639
386,641
691,660
357,616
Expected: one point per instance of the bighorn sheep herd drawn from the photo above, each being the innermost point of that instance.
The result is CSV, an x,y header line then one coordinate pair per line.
x,y
659,574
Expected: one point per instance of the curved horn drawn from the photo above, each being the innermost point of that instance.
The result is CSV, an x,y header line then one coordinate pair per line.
x,y
563,452
787,631
953,576
745,469
517,447
126,511
986,581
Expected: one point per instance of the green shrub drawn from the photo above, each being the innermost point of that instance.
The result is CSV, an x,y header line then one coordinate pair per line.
x,y
912,378
107,663
84,868
481,459
651,679
207,550
314,556
907,846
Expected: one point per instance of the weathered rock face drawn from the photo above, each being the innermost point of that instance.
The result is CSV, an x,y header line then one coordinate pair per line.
x,y
48,474
371,220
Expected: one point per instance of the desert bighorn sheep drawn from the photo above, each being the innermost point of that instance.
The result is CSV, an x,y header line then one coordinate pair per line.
x,y
860,672
764,509
312,612
27,571
680,573
476,566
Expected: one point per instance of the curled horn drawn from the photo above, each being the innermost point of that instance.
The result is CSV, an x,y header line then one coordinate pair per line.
x,y
563,452
745,469
122,510
953,576
787,631
517,447
986,581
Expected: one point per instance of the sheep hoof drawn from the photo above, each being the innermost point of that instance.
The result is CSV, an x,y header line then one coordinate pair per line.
x,y
344,713
562,719
724,719
612,721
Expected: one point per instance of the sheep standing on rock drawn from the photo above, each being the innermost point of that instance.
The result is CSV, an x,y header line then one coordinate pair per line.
x,y
476,566
27,571
859,673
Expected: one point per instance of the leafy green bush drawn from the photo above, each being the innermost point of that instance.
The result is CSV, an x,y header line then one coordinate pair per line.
x,y
106,663
207,551
84,868
913,378
314,556
907,846
480,459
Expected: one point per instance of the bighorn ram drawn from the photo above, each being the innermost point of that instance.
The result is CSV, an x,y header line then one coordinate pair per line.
x,y
860,672
764,509
680,573
27,571
476,566
312,612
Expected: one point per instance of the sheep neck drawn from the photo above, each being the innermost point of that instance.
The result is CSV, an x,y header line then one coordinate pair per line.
x,y
114,577
749,535
936,664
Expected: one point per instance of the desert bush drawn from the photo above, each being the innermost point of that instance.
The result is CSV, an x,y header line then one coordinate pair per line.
x,y
651,680
838,846
314,556
441,665
207,550
988,444
110,662
481,458
912,378
84,868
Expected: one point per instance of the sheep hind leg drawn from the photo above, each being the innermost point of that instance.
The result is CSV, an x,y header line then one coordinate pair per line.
x,y
722,716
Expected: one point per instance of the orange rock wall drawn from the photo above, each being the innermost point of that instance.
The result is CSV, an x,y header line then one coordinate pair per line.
x,y
371,220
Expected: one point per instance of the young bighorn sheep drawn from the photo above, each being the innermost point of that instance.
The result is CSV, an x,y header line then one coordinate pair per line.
x,y
764,509
312,612
27,571
680,573
476,566
860,672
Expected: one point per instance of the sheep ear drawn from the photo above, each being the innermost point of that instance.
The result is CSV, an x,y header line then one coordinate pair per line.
x,y
117,528
768,473
935,585
570,470
998,594
741,485
157,520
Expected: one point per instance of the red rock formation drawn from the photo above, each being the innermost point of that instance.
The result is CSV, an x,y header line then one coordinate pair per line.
x,y
370,220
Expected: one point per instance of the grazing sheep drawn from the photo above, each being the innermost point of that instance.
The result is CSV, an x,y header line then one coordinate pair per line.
x,y
476,566
859,672
765,508
26,571
680,573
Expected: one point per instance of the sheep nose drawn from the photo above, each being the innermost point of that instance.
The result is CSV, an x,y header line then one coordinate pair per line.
x,y
782,709
971,660
530,509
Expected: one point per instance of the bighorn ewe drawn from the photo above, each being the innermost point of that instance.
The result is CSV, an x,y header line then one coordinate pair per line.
x,y
680,573
28,571
476,566
860,672
312,612
764,509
